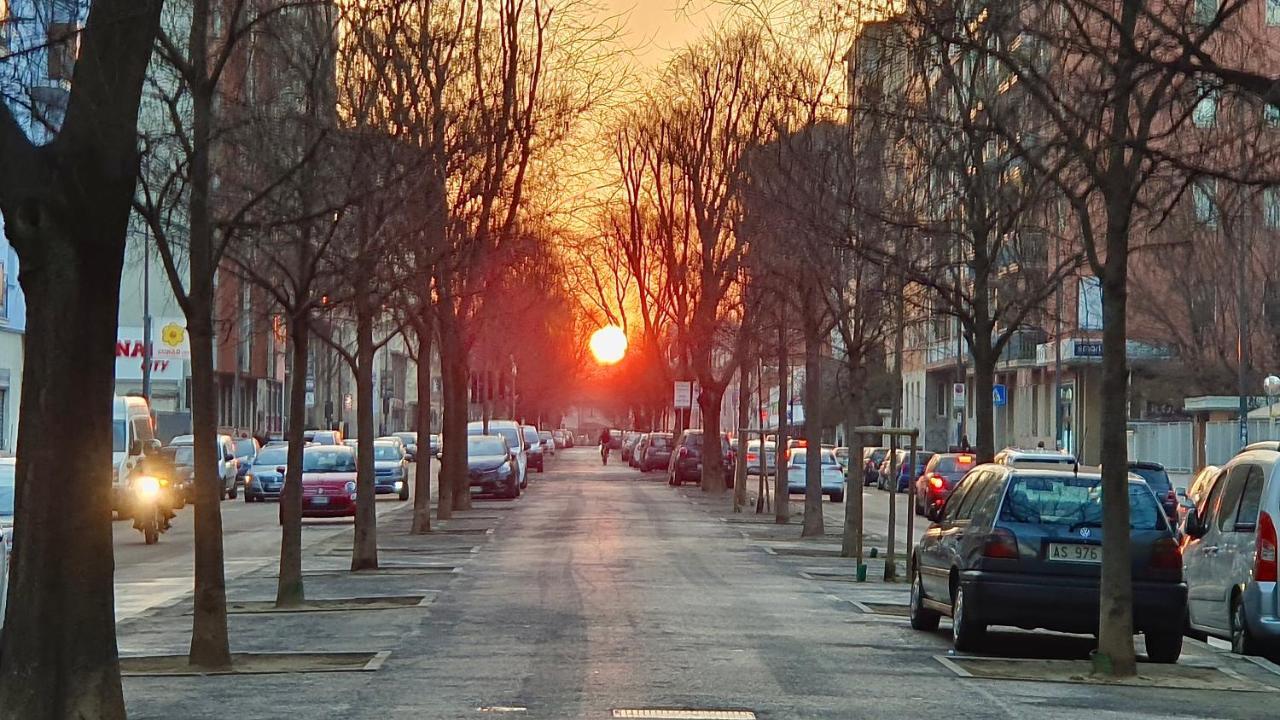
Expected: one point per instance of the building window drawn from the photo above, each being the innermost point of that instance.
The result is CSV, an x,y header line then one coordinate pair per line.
x,y
1206,11
1205,113
4,292
1203,194
1273,12
64,48
1271,207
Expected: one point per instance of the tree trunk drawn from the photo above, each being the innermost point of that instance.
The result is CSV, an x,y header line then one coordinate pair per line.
x,y
740,458
209,644
453,438
851,542
66,209
712,446
781,496
290,591
813,521
422,475
59,657
1115,654
984,378
364,547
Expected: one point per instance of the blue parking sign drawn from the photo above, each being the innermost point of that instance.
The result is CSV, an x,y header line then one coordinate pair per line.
x,y
999,396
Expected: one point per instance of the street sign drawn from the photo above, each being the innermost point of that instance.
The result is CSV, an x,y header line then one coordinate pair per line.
x,y
683,394
311,398
957,395
999,396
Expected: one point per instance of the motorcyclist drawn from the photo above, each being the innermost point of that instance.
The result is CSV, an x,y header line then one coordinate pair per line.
x,y
162,468
606,438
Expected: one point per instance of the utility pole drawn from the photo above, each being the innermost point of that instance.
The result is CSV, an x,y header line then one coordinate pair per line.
x,y
1242,337
1057,374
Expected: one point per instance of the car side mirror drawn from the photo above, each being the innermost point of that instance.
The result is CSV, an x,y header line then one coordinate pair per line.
x,y
228,457
933,513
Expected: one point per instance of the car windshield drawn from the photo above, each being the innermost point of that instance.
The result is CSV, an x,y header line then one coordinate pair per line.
x,y
1157,479
531,436
484,445
1073,500
117,436
272,456
386,452
328,459
877,455
184,455
407,438
7,485
244,447
544,435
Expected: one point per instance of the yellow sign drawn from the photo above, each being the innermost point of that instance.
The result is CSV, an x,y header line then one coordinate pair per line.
x,y
173,335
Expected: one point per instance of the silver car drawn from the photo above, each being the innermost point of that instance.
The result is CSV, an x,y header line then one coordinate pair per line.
x,y
1229,558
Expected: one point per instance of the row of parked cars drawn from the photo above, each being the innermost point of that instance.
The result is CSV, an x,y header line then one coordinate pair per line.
x,y
680,456
1019,542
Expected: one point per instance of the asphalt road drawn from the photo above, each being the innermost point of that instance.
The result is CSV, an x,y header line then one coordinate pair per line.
x,y
603,590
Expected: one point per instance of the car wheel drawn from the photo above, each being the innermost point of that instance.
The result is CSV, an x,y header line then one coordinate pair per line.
x,y
231,494
837,497
966,634
922,618
404,492
1242,641
515,491
1164,646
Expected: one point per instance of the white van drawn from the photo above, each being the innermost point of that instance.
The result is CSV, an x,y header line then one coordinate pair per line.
x,y
132,436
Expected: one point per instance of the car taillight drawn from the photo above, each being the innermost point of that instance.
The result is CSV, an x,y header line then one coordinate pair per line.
x,y
936,482
1166,555
1264,560
752,457
1000,543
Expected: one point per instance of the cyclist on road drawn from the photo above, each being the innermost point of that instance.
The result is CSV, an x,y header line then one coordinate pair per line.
x,y
605,439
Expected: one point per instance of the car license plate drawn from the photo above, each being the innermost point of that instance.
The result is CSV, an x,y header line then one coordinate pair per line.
x,y
1075,552
319,501
476,489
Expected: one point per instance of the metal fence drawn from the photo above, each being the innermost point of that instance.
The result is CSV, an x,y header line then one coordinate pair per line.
x,y
1166,443
1222,438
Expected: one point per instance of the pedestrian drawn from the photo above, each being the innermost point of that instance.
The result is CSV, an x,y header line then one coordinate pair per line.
x,y
964,444
1040,445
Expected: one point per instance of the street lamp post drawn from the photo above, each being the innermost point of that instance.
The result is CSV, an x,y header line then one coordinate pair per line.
x,y
1271,387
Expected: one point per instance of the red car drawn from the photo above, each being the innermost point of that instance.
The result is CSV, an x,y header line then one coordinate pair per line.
x,y
940,477
328,481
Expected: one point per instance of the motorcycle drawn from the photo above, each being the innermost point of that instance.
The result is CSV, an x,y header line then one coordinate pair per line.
x,y
151,507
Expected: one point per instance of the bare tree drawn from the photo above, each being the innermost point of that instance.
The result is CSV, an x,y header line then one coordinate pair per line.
x,y
67,218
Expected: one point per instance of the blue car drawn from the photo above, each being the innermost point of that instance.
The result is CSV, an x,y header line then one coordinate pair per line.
x,y
906,475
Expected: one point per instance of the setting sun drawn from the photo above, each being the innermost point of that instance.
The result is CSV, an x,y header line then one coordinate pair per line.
x,y
608,344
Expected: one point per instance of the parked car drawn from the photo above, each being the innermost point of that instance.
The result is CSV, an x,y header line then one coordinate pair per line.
x,y
511,432
753,457
940,477
629,440
842,456
433,444
901,467
1023,547
246,449
657,451
548,443
322,437
1158,480
8,487
1229,556
492,466
390,469
328,481
615,439
1199,487
871,459
561,438
1036,459
228,467
686,459
569,439
638,451
265,479
536,453
410,441
832,473
390,439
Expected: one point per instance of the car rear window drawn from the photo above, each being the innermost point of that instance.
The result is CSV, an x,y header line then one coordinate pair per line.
x,y
273,456
1074,501
1156,478
244,447
955,464
877,455
659,442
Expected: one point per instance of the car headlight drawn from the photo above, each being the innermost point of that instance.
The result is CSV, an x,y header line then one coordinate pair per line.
x,y
146,486
248,479
350,487
504,470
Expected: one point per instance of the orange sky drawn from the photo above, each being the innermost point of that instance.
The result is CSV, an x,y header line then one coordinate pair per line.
x,y
655,28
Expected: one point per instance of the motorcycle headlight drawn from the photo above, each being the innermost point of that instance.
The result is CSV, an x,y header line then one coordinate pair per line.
x,y
146,486
350,487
